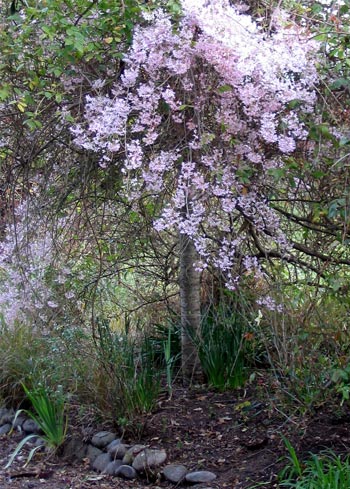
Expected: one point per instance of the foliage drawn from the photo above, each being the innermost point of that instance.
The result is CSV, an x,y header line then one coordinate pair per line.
x,y
341,379
215,131
21,356
170,361
130,384
322,471
69,357
47,48
53,54
223,346
164,339
49,414
63,357
305,343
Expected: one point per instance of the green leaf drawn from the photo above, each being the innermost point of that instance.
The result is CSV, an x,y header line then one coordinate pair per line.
x,y
293,104
225,88
277,173
19,448
344,141
4,92
340,83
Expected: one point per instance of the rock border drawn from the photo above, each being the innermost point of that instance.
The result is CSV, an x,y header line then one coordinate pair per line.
x,y
107,454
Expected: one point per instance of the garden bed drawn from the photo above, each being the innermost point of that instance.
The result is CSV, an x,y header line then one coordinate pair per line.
x,y
236,435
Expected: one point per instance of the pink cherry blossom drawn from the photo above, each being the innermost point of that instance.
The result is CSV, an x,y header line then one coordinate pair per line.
x,y
200,116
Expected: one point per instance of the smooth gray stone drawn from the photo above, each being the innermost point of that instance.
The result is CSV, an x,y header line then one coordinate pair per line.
x,y
31,426
6,428
6,416
35,441
102,439
174,473
93,453
149,459
3,412
131,453
112,467
39,442
200,476
113,443
117,450
75,449
126,471
101,462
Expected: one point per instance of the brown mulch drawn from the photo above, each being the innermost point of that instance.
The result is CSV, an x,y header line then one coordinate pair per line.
x,y
235,434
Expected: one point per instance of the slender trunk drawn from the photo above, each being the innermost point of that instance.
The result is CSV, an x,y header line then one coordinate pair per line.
x,y
190,310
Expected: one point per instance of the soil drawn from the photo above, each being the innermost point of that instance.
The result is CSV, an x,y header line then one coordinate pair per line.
x,y
236,434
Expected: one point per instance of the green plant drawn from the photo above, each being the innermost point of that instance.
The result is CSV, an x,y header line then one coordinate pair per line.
x,y
30,357
341,379
223,347
131,382
303,341
49,414
165,339
144,390
322,471
169,362
21,353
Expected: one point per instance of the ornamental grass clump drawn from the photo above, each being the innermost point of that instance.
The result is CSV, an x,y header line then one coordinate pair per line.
x,y
130,383
49,414
325,470
222,348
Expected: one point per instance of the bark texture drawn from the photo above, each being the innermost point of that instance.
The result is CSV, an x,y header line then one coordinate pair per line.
x,y
190,310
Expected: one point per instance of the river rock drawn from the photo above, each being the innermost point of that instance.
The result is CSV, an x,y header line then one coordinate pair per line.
x,y
131,453
6,416
31,426
126,471
112,467
93,453
101,462
113,443
18,422
102,439
3,411
174,473
200,476
149,459
117,450
75,449
6,428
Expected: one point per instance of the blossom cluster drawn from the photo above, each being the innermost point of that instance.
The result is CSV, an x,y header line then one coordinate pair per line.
x,y
203,111
29,270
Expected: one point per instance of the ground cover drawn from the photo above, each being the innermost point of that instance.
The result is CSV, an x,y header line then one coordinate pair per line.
x,y
235,434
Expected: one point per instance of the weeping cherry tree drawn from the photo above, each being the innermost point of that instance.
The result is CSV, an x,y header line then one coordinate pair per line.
x,y
206,110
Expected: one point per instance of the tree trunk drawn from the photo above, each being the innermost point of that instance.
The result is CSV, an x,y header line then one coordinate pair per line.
x,y
190,310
